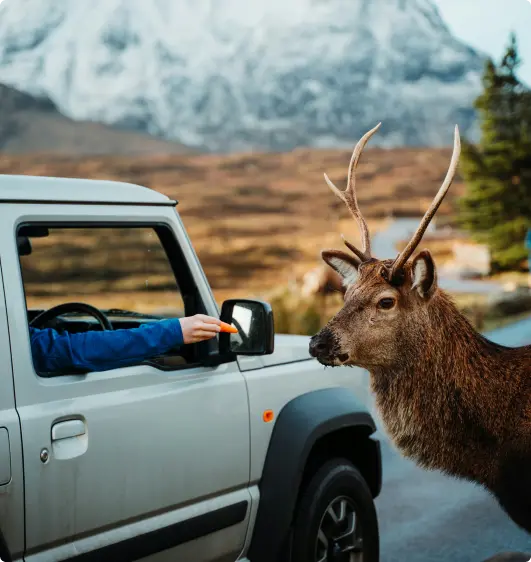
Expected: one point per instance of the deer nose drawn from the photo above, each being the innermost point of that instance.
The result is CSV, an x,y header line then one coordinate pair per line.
x,y
321,344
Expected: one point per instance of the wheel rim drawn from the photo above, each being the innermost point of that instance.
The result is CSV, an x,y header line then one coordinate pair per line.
x,y
339,536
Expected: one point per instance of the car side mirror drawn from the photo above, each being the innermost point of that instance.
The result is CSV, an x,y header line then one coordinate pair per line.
x,y
254,321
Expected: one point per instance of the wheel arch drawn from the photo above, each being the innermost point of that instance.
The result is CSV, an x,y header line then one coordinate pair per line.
x,y
306,428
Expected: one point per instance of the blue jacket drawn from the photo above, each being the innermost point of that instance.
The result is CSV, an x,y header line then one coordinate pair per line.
x,y
101,351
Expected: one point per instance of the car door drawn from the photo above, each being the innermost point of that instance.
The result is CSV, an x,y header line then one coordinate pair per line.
x,y
135,463
11,476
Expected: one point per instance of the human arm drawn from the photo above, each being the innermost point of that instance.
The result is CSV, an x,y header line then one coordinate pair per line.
x,y
101,351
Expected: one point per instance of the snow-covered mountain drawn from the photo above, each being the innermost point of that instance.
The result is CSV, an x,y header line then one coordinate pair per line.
x,y
239,74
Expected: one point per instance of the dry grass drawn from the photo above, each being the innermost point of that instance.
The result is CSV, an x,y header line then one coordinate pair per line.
x,y
259,220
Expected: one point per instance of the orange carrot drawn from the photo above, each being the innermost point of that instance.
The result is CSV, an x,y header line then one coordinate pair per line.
x,y
228,328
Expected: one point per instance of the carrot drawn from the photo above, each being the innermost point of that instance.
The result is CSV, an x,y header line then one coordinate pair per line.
x,y
228,328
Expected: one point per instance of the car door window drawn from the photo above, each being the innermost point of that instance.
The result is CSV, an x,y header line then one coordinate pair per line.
x,y
122,270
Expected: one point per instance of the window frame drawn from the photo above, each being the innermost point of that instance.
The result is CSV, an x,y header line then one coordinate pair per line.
x,y
203,353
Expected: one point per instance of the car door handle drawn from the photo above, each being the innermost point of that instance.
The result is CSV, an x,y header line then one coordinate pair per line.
x,y
66,429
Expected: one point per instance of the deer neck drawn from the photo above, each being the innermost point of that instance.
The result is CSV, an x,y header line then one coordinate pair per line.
x,y
451,397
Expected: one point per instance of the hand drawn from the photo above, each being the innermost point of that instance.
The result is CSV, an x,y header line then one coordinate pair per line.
x,y
199,328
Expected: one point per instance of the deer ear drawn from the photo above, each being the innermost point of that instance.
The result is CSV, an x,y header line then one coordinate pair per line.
x,y
424,274
345,264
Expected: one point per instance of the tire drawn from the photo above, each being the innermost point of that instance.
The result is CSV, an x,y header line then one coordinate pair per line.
x,y
337,488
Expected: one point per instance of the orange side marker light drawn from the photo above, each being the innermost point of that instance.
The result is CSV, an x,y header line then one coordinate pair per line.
x,y
268,416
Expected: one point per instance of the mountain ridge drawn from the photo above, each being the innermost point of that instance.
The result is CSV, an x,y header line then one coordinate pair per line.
x,y
29,124
267,76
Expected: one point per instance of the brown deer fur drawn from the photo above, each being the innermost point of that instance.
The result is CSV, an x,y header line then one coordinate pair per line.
x,y
450,398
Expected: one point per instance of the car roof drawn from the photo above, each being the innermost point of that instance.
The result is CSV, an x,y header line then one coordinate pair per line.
x,y
42,189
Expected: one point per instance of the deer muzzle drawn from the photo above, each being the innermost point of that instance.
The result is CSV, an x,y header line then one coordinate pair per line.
x,y
324,346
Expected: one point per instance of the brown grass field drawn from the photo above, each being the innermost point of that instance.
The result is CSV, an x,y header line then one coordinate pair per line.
x,y
259,220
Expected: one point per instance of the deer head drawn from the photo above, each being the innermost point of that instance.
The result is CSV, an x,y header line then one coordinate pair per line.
x,y
385,301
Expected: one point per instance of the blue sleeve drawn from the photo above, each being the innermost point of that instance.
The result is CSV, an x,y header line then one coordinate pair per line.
x,y
101,351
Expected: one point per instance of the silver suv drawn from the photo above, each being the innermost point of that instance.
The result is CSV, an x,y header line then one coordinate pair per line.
x,y
237,448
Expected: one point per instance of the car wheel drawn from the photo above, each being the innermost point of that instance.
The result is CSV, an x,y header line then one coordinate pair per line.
x,y
336,519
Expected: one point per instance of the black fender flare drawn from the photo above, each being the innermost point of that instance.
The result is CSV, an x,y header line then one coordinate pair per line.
x,y
300,423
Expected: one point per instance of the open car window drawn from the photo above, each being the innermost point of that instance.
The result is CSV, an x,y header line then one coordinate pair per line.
x,y
125,271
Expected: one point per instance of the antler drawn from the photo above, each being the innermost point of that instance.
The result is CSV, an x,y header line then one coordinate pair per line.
x,y
413,243
349,197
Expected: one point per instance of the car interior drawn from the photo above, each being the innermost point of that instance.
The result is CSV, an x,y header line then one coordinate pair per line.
x,y
80,316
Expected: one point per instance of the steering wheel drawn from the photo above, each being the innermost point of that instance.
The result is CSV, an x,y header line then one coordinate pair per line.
x,y
44,317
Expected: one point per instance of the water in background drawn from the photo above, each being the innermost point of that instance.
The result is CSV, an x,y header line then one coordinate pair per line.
x,y
383,245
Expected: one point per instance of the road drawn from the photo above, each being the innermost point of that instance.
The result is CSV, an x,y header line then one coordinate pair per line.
x,y
428,517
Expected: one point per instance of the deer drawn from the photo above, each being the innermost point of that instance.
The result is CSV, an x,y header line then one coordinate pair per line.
x,y
321,280
450,399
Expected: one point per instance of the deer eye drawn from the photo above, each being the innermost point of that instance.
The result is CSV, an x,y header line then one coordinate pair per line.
x,y
386,303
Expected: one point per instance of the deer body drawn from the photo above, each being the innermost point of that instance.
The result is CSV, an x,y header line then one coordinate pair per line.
x,y
321,281
450,399
473,402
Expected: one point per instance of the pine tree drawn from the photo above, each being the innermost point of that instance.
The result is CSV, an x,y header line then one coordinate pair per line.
x,y
496,208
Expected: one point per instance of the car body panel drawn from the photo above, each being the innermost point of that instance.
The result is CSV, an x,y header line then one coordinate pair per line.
x,y
164,464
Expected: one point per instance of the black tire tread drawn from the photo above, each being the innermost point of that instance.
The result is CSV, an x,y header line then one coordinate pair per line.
x,y
330,474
